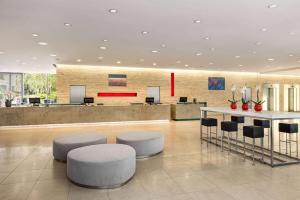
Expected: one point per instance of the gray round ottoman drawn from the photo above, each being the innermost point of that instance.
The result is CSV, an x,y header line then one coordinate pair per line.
x,y
146,144
101,166
62,145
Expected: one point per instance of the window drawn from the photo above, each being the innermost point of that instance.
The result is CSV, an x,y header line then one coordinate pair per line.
x,y
11,82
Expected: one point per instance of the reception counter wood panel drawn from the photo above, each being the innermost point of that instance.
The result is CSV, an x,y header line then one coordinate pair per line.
x,y
188,111
82,114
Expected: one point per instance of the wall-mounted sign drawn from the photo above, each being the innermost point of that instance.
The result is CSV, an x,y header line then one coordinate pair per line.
x,y
117,80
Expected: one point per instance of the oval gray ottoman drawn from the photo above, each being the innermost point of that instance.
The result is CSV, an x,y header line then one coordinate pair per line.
x,y
63,144
101,166
146,144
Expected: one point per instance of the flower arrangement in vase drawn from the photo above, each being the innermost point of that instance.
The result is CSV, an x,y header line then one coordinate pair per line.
x,y
9,97
258,103
233,101
245,105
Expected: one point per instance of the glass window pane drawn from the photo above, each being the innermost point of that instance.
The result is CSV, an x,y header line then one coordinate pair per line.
x,y
4,85
16,87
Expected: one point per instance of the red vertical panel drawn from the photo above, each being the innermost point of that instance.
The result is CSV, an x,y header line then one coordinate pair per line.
x,y
172,84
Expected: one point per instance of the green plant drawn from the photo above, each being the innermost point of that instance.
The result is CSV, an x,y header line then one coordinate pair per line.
x,y
244,98
258,101
233,91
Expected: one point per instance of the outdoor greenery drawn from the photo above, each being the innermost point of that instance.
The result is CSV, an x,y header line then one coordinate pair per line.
x,y
40,85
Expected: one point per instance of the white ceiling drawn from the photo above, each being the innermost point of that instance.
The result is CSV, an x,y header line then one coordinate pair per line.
x,y
234,27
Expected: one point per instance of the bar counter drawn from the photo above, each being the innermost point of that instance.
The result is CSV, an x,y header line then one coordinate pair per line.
x,y
15,116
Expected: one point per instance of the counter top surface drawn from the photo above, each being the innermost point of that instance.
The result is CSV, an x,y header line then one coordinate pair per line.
x,y
274,115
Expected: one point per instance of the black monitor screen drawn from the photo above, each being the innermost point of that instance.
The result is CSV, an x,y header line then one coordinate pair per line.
x,y
34,100
183,99
88,100
149,99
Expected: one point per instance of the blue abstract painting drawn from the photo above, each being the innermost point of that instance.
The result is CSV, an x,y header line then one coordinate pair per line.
x,y
216,83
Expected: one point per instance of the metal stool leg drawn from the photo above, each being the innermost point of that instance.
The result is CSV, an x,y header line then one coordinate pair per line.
x,y
229,142
222,140
253,146
297,144
290,142
207,135
286,144
244,147
262,148
210,134
217,135
279,142
201,132
236,140
268,138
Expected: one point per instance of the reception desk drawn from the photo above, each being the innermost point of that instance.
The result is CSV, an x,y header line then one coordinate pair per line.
x,y
186,111
15,116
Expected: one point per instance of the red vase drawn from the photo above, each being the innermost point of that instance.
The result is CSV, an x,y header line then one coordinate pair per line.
x,y
245,107
233,106
258,107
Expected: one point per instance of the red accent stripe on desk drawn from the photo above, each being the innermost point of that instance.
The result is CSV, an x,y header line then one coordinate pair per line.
x,y
172,84
117,94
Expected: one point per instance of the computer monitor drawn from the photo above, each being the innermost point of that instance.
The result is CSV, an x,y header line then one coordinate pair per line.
x,y
34,100
88,100
183,99
149,100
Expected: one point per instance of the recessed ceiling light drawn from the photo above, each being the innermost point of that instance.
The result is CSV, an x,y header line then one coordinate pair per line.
x,y
270,59
212,49
198,54
154,51
105,40
67,24
1,52
100,57
258,43
211,63
78,60
237,56
154,64
298,60
254,52
241,65
272,6
113,10
23,63
263,29
291,55
163,45
186,65
118,62
178,61
292,33
34,58
145,32
103,47
53,55
206,38
43,43
196,21
35,35
142,60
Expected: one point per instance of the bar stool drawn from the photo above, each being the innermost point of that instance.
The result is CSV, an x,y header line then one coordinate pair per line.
x,y
210,122
229,127
253,132
288,129
264,124
238,120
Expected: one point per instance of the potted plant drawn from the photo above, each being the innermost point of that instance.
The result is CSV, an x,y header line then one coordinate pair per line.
x,y
9,97
258,103
233,101
245,106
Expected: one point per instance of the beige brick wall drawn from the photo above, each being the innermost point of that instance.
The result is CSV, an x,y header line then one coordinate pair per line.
x,y
190,83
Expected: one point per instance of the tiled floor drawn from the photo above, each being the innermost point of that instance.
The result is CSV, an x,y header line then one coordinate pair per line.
x,y
186,170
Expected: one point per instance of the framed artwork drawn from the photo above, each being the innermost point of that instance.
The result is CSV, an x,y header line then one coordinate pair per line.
x,y
216,83
117,80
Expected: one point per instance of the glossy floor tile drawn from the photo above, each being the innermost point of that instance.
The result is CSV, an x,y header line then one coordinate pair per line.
x,y
186,170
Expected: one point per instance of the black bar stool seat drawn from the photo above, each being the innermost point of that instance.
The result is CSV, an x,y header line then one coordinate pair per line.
x,y
209,122
288,129
262,123
229,127
253,132
238,119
